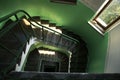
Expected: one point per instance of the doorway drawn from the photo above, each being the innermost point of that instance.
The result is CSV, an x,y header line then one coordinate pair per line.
x,y
49,66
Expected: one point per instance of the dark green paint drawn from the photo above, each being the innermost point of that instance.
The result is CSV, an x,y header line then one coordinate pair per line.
x,y
71,17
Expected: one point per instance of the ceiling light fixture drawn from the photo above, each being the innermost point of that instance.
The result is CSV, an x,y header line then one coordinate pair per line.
x,y
46,52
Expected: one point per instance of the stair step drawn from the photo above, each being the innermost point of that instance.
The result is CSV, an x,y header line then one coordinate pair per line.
x,y
52,25
38,32
45,22
36,18
49,37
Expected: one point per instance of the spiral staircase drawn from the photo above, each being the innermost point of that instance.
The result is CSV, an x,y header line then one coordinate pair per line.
x,y
21,39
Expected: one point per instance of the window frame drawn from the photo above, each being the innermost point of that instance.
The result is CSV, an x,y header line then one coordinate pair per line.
x,y
97,25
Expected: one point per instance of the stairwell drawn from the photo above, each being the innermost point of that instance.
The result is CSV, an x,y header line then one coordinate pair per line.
x,y
15,40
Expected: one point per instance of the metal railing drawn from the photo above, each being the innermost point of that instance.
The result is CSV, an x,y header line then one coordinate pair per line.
x,y
17,18
26,14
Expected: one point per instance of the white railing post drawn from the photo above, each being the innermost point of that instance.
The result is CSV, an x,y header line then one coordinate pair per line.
x,y
69,65
25,54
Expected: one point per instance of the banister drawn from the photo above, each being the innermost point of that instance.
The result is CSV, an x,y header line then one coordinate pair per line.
x,y
19,11
27,15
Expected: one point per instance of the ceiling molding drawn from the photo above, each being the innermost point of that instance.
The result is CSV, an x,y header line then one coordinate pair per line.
x,y
73,2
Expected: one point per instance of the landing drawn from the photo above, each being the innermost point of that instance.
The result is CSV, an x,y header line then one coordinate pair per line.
x,y
60,76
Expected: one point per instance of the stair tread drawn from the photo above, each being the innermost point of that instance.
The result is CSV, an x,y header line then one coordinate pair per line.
x,y
44,21
52,25
37,18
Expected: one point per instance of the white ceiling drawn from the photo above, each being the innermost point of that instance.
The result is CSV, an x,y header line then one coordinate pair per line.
x,y
93,4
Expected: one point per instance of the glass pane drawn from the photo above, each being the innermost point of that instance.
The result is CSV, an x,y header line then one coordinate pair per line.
x,y
111,13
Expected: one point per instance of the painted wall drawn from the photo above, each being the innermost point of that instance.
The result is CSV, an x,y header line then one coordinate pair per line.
x,y
97,47
74,18
113,56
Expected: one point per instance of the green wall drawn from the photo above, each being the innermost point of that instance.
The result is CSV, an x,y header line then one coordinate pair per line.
x,y
72,17
97,53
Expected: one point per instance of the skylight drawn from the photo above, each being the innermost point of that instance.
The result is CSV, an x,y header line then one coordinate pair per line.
x,y
106,16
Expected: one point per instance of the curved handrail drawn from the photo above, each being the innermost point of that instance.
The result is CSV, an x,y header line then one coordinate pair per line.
x,y
26,14
18,11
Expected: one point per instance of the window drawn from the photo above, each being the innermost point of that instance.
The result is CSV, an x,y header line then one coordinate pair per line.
x,y
107,16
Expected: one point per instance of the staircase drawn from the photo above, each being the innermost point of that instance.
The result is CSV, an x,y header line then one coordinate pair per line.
x,y
49,36
19,33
